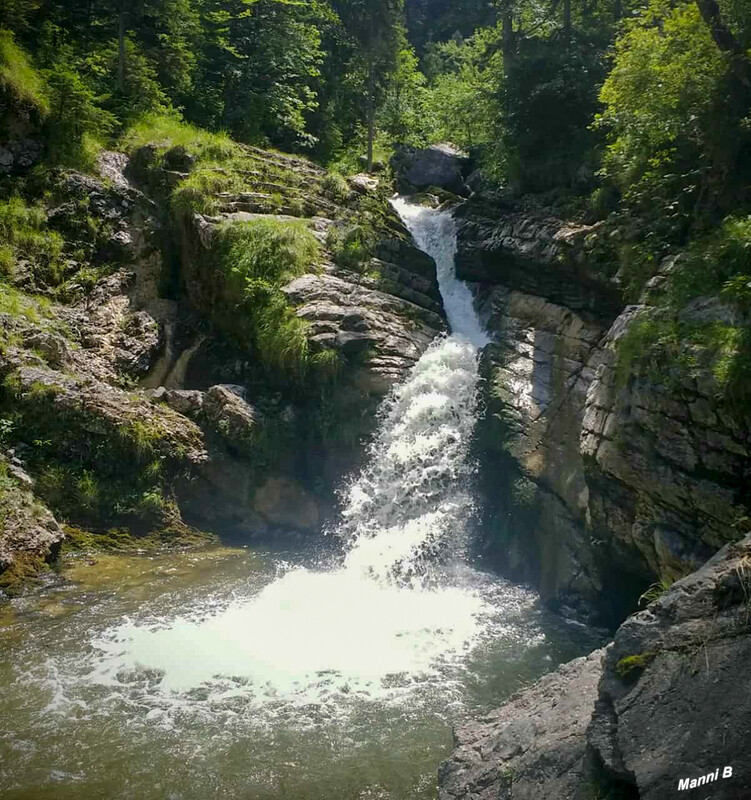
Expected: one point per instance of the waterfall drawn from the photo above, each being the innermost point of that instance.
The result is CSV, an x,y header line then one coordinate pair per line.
x,y
409,507
400,609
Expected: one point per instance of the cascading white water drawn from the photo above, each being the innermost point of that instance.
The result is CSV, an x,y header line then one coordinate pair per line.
x,y
411,504
395,606
231,673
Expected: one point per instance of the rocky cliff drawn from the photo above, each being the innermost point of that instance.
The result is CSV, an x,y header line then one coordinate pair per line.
x,y
146,387
661,711
615,456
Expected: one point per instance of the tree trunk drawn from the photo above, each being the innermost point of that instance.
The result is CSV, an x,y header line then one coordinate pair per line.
x,y
371,115
507,30
725,41
121,48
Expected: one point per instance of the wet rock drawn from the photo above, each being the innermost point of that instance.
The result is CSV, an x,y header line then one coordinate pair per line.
x,y
440,165
534,747
536,380
229,414
285,504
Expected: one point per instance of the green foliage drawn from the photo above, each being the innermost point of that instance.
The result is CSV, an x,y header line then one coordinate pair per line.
x,y
20,82
464,76
335,187
23,228
719,263
655,591
351,244
256,259
663,101
404,114
18,304
630,667
169,130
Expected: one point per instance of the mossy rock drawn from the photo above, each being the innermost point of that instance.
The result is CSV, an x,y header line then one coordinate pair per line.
x,y
177,536
630,667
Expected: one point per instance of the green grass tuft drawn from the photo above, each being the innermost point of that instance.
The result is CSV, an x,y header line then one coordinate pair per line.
x,y
168,130
257,258
19,80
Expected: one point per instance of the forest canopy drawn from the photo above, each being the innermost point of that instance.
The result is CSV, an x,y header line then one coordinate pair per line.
x,y
637,111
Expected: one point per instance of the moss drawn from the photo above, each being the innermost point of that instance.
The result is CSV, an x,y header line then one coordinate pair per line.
x,y
122,540
25,568
631,666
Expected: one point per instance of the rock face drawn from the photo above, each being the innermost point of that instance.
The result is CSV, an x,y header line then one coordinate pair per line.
x,y
671,703
29,534
536,381
532,748
137,410
662,710
440,165
601,476
532,253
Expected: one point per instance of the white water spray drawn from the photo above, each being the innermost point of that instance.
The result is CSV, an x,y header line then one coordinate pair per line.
x,y
409,508
392,608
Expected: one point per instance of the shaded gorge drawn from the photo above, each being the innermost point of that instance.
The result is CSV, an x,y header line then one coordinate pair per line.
x,y
330,670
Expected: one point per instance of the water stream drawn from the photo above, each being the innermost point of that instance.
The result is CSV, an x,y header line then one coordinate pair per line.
x,y
257,673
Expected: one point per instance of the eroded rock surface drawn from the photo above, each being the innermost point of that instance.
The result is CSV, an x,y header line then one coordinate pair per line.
x,y
603,474
672,702
659,713
534,747
537,376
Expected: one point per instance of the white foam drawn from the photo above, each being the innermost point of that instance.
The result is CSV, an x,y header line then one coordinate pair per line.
x,y
389,610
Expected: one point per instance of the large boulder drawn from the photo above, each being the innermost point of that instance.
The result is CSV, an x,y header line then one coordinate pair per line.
x,y
673,703
532,748
440,165
661,711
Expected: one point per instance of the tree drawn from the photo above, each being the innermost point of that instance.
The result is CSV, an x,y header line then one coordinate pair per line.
x,y
374,25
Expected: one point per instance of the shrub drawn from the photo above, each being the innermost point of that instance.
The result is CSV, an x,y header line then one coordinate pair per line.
x,y
77,123
351,245
23,227
335,187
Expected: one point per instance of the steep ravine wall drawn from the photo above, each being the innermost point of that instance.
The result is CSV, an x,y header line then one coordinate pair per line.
x,y
662,712
223,444
599,479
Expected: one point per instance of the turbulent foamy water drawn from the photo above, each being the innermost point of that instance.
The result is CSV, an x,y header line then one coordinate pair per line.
x,y
273,676
395,607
